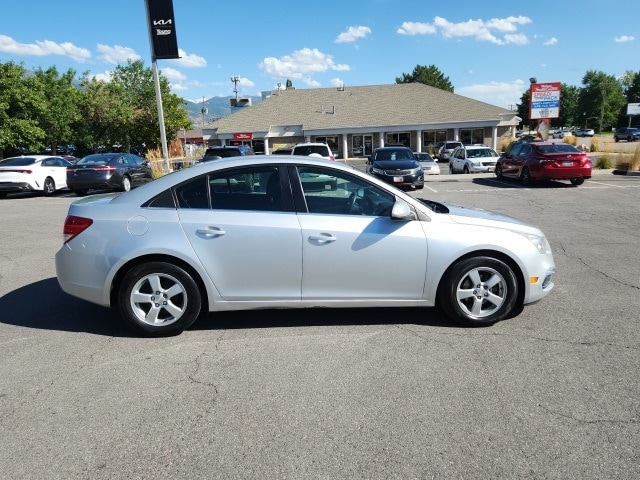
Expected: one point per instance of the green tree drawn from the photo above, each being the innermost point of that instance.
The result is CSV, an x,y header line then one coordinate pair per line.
x,y
133,84
601,97
430,75
20,104
61,113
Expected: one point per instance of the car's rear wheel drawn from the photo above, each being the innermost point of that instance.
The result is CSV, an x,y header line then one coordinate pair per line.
x,y
616,139
159,299
525,176
3,194
478,291
49,186
498,171
577,181
126,183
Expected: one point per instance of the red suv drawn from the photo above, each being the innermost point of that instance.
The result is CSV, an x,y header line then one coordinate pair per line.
x,y
544,161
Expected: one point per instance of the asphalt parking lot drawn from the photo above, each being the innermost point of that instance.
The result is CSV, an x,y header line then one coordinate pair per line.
x,y
376,393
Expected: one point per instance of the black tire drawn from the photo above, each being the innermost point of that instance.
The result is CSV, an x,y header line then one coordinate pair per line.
x,y
3,194
49,186
126,184
451,171
577,181
81,192
159,299
478,291
616,139
525,176
465,170
498,171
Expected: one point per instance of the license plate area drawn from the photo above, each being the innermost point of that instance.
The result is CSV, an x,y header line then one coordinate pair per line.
x,y
398,179
567,163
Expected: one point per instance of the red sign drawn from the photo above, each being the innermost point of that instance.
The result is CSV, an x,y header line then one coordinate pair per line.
x,y
243,136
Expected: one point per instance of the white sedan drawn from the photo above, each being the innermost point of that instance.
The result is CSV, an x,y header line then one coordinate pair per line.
x,y
252,233
33,173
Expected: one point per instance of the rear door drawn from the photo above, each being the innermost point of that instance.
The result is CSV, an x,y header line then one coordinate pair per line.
x,y
244,233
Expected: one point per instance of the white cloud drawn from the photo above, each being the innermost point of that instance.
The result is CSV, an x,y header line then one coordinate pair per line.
x,y
500,94
624,39
353,34
300,64
173,74
479,29
177,87
551,41
336,82
416,28
188,60
104,77
117,54
43,48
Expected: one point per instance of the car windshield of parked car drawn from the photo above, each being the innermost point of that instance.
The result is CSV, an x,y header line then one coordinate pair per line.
x,y
395,155
482,152
558,148
17,162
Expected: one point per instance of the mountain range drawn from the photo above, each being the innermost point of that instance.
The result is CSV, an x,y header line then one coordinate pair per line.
x,y
216,107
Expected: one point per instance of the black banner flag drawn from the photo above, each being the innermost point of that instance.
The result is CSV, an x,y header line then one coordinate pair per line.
x,y
162,29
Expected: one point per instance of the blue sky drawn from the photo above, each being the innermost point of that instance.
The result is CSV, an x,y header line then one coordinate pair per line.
x,y
489,50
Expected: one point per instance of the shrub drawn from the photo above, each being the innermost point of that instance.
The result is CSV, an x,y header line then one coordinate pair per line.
x,y
604,163
595,145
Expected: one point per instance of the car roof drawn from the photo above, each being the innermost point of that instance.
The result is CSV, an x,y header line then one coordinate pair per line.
x,y
394,148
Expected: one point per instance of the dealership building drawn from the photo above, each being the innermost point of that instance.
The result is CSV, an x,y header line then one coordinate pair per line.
x,y
356,120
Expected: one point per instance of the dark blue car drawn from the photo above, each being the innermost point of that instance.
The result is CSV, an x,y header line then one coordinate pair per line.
x,y
397,166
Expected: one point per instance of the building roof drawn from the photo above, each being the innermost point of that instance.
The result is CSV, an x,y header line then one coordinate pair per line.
x,y
366,107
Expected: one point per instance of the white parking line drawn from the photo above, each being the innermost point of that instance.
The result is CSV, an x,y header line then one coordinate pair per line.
x,y
607,184
432,189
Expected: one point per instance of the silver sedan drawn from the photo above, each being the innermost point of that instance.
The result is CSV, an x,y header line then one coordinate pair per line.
x,y
291,232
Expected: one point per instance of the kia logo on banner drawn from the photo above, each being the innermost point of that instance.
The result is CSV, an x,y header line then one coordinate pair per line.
x,y
162,29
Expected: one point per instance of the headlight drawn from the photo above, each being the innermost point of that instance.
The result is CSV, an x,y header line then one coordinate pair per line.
x,y
416,170
378,171
540,242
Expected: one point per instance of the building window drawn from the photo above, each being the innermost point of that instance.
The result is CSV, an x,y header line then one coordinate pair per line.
x,y
362,145
400,138
471,137
331,141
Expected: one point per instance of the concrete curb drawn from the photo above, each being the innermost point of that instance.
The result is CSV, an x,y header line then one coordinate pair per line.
x,y
629,173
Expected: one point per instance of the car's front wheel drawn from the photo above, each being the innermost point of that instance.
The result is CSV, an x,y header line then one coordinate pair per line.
x,y
577,181
478,291
159,299
498,171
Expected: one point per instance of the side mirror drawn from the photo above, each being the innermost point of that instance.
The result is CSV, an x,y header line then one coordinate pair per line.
x,y
402,211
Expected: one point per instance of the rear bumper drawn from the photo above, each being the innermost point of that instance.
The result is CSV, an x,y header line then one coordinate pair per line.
x,y
9,187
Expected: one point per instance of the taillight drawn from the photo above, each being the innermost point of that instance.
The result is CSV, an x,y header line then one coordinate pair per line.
x,y
19,171
73,226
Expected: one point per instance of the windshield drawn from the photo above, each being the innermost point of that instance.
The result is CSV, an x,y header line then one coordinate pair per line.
x,y
482,152
395,155
223,152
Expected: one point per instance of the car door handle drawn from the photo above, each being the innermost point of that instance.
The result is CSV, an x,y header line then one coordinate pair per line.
x,y
323,237
210,232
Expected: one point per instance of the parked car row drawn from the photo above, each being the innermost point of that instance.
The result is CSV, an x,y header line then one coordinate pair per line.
x,y
47,174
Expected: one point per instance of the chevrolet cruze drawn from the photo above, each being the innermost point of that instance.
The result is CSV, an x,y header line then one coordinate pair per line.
x,y
293,232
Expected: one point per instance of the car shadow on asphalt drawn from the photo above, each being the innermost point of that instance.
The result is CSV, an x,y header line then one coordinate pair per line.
x,y
514,183
43,305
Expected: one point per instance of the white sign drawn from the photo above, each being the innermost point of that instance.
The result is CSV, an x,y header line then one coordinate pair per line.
x,y
633,108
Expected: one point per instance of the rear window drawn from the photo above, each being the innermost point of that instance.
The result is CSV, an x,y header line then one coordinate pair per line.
x,y
17,162
558,148
94,160
223,152
306,150
452,145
